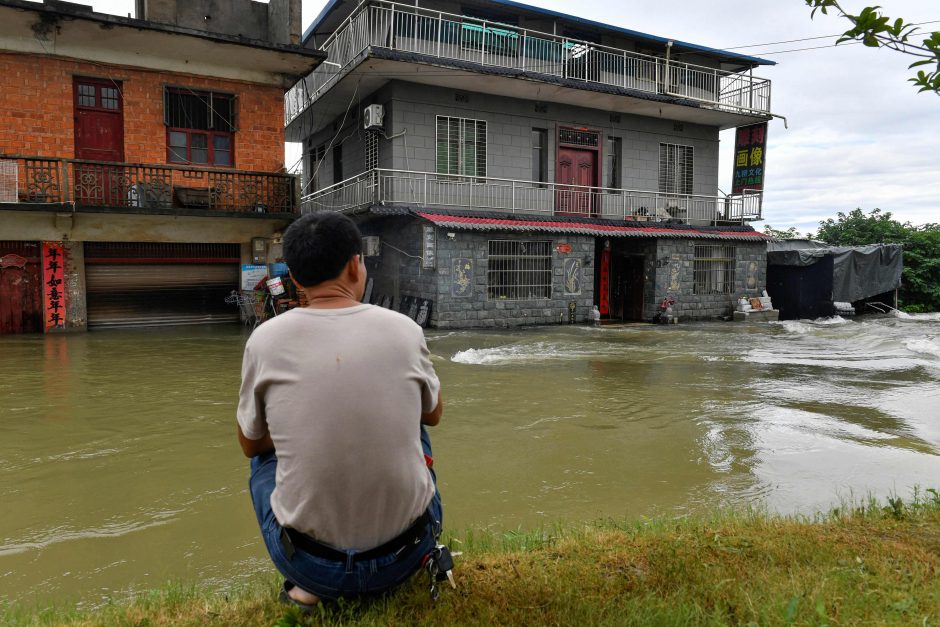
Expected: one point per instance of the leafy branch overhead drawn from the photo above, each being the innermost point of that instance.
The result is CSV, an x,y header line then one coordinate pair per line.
x,y
875,30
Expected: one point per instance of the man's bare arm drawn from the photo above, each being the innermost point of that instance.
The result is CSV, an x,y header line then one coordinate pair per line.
x,y
434,416
253,448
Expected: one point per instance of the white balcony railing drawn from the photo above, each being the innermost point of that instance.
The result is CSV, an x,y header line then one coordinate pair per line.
x,y
447,36
426,190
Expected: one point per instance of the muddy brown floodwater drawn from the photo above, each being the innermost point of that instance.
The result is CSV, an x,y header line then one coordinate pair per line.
x,y
119,469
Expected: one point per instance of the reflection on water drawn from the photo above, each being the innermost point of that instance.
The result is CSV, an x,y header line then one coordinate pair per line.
x,y
119,468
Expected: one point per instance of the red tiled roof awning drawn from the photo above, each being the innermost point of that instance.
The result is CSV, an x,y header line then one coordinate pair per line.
x,y
587,227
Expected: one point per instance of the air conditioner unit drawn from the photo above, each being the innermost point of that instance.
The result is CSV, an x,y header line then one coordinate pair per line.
x,y
8,180
373,117
371,246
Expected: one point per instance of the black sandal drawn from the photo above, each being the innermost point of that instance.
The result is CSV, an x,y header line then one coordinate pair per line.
x,y
285,598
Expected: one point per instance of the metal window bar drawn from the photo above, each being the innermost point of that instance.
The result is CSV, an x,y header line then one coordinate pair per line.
x,y
676,165
714,270
519,270
461,146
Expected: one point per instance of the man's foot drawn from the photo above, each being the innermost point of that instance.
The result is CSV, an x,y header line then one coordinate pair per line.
x,y
291,594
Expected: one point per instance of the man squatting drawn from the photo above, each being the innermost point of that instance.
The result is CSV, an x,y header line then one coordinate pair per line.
x,y
332,411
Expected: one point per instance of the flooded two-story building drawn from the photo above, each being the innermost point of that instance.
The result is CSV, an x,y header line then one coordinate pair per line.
x,y
141,159
514,165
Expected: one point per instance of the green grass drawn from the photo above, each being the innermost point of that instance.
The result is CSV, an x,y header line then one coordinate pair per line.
x,y
868,563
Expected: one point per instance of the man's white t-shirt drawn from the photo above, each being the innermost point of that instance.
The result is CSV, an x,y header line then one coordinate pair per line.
x,y
342,392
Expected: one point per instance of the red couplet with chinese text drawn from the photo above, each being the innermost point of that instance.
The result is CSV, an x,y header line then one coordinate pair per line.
x,y
53,279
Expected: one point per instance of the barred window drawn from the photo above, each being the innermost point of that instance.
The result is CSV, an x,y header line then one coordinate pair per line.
x,y
714,269
461,146
675,169
519,270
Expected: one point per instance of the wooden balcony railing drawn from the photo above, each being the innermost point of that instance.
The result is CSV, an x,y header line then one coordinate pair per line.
x,y
407,28
427,190
145,186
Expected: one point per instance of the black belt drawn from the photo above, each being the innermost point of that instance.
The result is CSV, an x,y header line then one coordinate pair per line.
x,y
411,537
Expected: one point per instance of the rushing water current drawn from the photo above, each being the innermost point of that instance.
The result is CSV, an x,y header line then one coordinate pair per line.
x,y
120,471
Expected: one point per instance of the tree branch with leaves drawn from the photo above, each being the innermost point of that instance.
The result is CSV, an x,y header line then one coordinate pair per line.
x,y
875,30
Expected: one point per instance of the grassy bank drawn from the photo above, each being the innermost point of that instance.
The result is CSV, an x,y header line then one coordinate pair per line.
x,y
871,564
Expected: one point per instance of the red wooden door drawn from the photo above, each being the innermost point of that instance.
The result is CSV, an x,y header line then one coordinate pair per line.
x,y
99,136
576,168
20,288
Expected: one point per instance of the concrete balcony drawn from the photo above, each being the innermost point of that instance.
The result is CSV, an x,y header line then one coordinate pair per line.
x,y
426,190
98,186
402,38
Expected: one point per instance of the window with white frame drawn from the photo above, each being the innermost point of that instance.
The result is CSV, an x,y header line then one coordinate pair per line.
x,y
519,270
461,146
713,269
675,169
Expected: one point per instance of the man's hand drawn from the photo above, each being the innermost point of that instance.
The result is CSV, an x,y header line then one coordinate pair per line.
x,y
434,416
253,448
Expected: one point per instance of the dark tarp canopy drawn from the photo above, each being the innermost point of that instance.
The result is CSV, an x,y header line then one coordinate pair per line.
x,y
858,272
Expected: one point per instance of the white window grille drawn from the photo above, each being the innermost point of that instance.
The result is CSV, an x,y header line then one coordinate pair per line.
x,y
713,269
519,270
8,180
675,169
461,146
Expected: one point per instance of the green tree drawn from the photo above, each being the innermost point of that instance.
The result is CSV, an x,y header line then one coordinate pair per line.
x,y
875,30
790,233
920,290
857,229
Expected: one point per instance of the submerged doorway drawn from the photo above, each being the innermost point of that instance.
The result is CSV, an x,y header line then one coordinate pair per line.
x,y
626,287
621,281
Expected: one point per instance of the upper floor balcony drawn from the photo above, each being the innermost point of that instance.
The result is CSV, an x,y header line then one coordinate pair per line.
x,y
426,190
38,182
403,36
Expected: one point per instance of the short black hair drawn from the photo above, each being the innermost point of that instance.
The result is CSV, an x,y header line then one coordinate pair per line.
x,y
318,246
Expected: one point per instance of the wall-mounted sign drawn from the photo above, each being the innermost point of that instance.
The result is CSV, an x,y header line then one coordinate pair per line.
x,y
53,279
429,244
750,156
462,278
572,276
253,276
604,296
564,249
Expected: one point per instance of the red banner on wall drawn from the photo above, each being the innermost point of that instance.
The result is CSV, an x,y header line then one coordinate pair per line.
x,y
53,281
605,283
750,154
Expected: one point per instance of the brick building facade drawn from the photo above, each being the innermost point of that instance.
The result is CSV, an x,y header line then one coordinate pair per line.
x,y
145,154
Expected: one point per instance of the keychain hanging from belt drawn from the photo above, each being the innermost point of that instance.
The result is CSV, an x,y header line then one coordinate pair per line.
x,y
440,565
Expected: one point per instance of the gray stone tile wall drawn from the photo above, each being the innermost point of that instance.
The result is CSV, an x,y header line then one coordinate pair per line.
x,y
509,143
399,274
674,276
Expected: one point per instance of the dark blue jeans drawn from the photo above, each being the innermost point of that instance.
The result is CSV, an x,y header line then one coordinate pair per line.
x,y
325,578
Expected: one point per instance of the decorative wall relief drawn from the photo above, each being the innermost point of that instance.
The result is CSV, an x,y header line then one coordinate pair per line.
x,y
462,278
675,274
752,275
573,276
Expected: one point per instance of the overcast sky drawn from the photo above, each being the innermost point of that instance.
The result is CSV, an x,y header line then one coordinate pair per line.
x,y
859,136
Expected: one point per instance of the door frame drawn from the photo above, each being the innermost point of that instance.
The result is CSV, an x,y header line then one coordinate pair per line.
x,y
76,107
598,151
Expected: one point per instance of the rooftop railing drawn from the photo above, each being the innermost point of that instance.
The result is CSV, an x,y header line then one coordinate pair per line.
x,y
145,186
427,190
447,36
